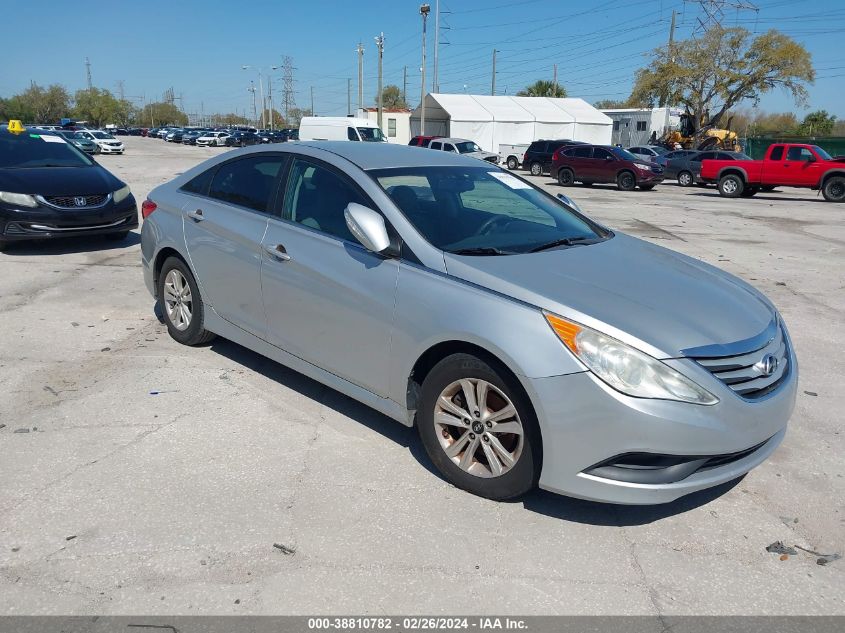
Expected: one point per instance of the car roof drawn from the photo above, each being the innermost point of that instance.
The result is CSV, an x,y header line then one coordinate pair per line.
x,y
452,139
385,155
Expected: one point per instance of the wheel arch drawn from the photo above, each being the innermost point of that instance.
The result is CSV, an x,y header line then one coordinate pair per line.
x,y
737,171
836,171
158,262
443,349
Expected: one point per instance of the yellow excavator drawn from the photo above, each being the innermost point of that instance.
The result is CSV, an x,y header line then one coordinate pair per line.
x,y
690,136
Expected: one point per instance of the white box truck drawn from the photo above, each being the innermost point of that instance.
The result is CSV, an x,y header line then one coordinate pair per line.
x,y
339,128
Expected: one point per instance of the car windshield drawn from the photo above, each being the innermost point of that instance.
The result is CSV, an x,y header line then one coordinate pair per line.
x,y
481,211
27,150
660,151
102,135
371,134
467,147
822,154
623,154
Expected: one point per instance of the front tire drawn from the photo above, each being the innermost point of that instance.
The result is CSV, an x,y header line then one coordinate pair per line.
x,y
479,429
181,303
536,169
685,179
626,181
834,189
512,162
565,177
731,186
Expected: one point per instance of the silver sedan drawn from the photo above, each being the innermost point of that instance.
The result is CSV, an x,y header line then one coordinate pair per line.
x,y
529,344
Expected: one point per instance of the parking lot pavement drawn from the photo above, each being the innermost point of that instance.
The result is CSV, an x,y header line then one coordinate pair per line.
x,y
116,500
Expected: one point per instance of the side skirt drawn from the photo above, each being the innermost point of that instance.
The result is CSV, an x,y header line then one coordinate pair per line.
x,y
221,327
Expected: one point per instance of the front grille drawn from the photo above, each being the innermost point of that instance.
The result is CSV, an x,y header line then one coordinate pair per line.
x,y
70,202
747,374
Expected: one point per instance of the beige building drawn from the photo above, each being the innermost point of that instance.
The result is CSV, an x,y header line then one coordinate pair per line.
x,y
396,124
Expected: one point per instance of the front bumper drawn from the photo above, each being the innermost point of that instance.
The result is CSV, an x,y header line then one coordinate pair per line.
x,y
649,178
111,149
46,223
585,423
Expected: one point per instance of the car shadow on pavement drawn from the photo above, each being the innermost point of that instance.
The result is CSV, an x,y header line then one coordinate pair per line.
x,y
769,196
594,513
539,501
69,245
357,412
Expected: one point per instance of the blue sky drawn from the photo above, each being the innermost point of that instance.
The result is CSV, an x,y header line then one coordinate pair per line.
x,y
199,46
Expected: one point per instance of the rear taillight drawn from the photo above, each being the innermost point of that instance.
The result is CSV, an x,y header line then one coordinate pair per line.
x,y
147,207
556,155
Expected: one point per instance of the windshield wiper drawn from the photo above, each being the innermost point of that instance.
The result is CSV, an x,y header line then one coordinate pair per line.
x,y
566,241
481,250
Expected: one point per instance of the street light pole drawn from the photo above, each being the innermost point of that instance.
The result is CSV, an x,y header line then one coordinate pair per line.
x,y
380,44
424,11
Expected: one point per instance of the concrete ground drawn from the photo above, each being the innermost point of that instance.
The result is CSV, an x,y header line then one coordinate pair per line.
x,y
117,501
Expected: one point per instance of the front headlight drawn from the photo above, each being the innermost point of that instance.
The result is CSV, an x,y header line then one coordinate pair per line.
x,y
19,199
121,194
626,369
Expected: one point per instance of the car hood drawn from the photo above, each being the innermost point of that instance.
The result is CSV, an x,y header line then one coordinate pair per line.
x,y
655,299
60,181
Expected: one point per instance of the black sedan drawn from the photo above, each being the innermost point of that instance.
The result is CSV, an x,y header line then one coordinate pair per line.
x,y
242,139
48,188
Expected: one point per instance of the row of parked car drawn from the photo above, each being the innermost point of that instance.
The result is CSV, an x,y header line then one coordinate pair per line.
x,y
222,137
89,141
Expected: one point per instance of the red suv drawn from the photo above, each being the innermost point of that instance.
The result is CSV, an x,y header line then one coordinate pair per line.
x,y
604,163
422,141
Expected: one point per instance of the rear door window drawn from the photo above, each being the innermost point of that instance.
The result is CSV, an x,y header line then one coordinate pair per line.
x,y
248,182
777,153
435,145
583,152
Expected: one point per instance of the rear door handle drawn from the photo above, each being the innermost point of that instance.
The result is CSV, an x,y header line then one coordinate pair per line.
x,y
277,251
196,215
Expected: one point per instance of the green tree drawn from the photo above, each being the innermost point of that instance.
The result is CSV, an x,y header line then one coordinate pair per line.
x,y
542,88
712,74
295,116
37,104
220,120
818,123
158,114
392,98
610,104
98,106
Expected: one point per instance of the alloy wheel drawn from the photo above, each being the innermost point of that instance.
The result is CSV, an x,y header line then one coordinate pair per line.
x,y
685,179
478,427
178,302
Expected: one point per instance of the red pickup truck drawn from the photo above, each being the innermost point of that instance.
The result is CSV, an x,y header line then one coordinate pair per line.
x,y
785,164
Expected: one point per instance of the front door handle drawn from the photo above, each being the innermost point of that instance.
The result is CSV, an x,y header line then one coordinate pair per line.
x,y
196,215
277,251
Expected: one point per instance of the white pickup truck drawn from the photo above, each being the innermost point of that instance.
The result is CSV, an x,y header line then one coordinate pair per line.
x,y
512,155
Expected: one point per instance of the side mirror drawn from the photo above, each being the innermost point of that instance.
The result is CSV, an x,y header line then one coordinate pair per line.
x,y
367,226
608,158
569,202
811,159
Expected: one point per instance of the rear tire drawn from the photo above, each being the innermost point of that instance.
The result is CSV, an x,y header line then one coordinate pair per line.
x,y
834,189
512,162
626,181
181,303
536,169
685,179
3,246
565,177
731,186
493,464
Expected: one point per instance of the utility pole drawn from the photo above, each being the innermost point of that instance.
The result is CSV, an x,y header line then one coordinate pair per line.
x,y
263,103
360,50
349,96
380,44
270,99
434,87
493,82
554,81
120,90
88,72
405,84
664,96
312,102
713,12
254,110
424,11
